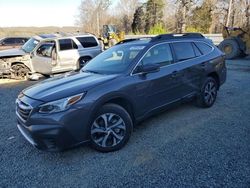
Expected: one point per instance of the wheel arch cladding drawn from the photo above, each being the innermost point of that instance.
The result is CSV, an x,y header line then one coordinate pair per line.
x,y
215,76
124,103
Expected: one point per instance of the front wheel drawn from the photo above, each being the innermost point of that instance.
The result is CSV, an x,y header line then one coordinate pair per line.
x,y
19,71
111,128
208,93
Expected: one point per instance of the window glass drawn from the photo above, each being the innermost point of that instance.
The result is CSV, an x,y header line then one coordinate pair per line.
x,y
9,41
45,50
20,40
30,45
183,50
114,60
67,44
160,54
87,42
196,51
204,48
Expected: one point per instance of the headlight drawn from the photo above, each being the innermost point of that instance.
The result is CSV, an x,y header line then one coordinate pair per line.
x,y
60,105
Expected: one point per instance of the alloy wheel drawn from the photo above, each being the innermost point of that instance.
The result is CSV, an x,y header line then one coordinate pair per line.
x,y
108,130
210,92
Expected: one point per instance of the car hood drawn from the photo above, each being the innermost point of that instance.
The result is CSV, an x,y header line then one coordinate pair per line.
x,y
65,85
12,52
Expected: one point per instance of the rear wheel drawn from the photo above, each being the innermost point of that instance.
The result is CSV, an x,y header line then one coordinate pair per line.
x,y
208,93
83,61
231,48
19,71
111,128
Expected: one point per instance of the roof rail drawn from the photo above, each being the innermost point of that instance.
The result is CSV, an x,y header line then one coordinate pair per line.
x,y
133,39
177,36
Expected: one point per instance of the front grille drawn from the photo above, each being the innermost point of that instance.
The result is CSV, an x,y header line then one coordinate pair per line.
x,y
23,110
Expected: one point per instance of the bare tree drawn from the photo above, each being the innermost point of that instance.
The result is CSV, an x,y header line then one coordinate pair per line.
x,y
93,14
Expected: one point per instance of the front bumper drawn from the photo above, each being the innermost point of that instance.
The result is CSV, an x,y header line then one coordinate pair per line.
x,y
47,137
54,132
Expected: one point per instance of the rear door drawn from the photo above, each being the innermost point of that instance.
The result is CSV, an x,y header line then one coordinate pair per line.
x,y
189,65
67,55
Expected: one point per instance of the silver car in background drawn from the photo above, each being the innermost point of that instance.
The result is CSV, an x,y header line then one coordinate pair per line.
x,y
49,54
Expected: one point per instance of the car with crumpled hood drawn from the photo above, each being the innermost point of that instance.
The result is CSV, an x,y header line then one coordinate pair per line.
x,y
49,54
10,57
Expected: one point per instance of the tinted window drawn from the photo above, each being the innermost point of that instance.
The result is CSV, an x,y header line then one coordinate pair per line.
x,y
204,48
196,51
114,60
9,41
87,42
67,44
21,40
160,54
183,50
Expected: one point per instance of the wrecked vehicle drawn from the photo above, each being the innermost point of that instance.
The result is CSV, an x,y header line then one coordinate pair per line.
x,y
49,54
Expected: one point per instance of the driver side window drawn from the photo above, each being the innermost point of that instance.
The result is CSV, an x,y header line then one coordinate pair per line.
x,y
45,50
160,55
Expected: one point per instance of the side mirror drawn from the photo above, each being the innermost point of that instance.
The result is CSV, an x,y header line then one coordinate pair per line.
x,y
148,68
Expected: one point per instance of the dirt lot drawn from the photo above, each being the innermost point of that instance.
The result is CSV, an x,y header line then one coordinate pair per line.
x,y
183,147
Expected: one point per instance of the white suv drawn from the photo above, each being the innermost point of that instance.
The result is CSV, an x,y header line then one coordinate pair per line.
x,y
53,55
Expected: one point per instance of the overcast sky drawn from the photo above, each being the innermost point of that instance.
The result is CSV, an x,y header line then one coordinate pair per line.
x,y
38,12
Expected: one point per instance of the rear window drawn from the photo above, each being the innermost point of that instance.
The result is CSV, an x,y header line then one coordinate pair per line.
x,y
67,44
204,48
183,50
87,42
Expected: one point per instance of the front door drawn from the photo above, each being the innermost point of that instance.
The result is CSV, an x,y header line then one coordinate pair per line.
x,y
42,58
157,89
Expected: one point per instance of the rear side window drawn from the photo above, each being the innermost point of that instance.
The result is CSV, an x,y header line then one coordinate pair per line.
x,y
9,41
196,50
183,50
21,40
87,42
67,44
204,48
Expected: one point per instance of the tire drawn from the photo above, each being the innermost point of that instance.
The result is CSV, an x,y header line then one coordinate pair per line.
x,y
208,93
83,61
231,48
20,71
115,133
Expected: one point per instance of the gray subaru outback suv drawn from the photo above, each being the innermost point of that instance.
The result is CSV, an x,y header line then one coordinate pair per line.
x,y
120,87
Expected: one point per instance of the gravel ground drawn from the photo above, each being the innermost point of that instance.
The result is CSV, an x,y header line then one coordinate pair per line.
x,y
182,147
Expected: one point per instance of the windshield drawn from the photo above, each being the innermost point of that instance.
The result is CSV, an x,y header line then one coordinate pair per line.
x,y
114,60
30,45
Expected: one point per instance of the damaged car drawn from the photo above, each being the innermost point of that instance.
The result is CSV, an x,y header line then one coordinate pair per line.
x,y
49,54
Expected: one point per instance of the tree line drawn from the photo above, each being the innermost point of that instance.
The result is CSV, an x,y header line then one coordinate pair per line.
x,y
161,16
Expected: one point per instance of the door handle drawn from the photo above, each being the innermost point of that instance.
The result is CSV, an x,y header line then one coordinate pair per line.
x,y
203,65
174,74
